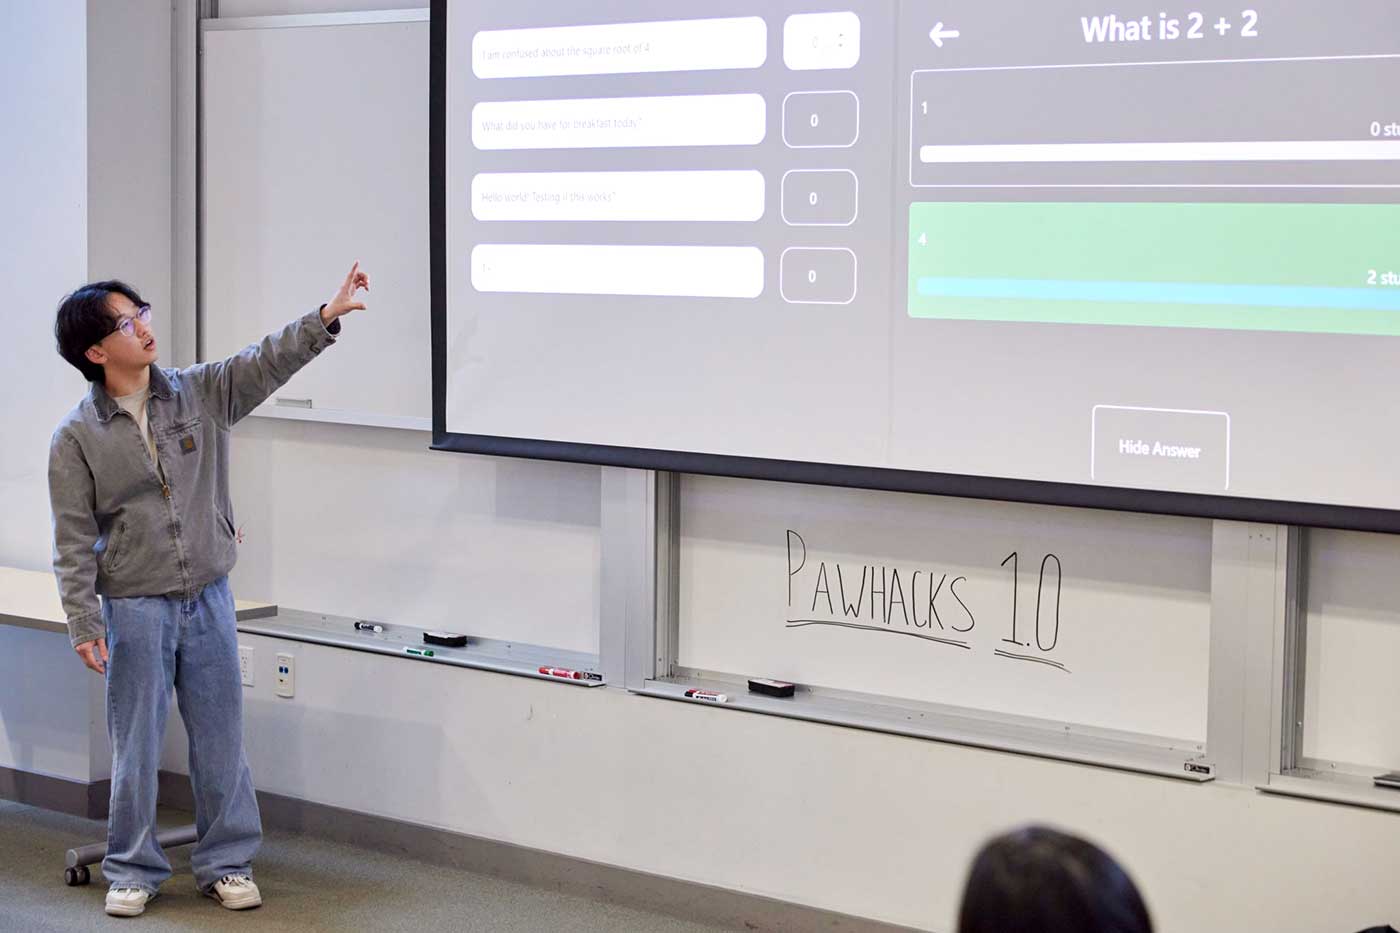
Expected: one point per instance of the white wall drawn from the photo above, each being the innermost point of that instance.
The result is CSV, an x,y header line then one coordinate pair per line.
x,y
87,178
43,251
44,709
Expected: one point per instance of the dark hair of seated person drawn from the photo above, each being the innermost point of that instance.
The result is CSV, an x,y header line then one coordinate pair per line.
x,y
1039,880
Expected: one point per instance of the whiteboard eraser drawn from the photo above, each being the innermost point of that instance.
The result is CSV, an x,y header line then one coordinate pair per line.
x,y
773,688
446,639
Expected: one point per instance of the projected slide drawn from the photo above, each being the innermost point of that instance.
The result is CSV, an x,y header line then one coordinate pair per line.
x,y
1149,249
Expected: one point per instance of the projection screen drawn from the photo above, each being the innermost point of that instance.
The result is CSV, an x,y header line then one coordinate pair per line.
x,y
1126,257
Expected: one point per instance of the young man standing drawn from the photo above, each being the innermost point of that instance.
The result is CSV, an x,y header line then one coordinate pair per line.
x,y
138,483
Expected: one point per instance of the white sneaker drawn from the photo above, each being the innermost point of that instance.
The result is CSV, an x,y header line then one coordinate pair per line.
x,y
126,901
236,892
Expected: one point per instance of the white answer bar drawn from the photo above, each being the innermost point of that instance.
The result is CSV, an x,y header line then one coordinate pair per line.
x,y
735,195
621,48
592,269
1281,151
620,122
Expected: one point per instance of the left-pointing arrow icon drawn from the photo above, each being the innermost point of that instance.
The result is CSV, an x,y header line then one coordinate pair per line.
x,y
938,34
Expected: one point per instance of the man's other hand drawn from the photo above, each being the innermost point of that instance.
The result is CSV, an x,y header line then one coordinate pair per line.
x,y
94,654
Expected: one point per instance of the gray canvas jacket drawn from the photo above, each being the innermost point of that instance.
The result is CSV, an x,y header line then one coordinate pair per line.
x,y
118,529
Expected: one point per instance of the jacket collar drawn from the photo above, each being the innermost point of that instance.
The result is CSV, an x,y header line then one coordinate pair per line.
x,y
104,405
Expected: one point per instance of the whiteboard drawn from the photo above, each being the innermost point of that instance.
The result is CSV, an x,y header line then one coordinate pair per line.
x,y
315,154
1131,652
1351,696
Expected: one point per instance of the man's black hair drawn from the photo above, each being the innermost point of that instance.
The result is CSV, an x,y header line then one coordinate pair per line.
x,y
84,318
1050,882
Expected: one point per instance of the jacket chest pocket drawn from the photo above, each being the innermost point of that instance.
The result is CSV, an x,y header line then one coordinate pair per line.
x,y
180,440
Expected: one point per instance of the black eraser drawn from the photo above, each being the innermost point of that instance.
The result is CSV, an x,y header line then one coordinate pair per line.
x,y
773,688
446,639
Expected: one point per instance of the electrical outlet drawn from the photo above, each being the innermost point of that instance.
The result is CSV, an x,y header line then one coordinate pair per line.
x,y
245,664
286,675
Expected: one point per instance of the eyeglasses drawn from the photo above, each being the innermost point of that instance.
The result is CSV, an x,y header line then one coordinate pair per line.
x,y
127,325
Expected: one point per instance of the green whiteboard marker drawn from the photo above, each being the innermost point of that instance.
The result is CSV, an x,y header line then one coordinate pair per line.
x,y
420,652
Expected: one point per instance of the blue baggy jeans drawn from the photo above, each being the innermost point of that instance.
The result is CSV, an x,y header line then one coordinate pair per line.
x,y
154,643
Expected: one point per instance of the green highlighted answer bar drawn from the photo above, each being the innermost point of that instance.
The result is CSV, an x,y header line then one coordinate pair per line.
x,y
1321,268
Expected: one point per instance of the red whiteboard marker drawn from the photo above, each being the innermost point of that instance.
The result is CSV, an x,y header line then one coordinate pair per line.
x,y
562,672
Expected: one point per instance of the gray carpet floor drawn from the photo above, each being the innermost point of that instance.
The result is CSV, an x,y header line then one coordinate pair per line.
x,y
308,884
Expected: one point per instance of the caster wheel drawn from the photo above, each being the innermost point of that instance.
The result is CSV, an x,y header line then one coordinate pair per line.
x,y
76,876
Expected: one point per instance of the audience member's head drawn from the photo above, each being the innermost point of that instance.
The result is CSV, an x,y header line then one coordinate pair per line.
x,y
1037,880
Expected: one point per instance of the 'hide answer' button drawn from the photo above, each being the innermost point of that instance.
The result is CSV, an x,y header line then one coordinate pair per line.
x,y
1160,448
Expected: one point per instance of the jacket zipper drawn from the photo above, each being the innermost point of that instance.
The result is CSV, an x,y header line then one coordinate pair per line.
x,y
165,493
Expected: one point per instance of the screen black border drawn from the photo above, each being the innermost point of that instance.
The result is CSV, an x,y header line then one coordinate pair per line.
x,y
1231,508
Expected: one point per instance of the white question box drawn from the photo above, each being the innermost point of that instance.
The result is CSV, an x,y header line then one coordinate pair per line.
x,y
617,269
621,48
703,196
620,122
